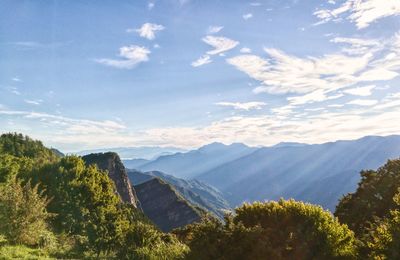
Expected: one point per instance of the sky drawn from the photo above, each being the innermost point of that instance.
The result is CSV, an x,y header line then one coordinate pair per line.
x,y
93,74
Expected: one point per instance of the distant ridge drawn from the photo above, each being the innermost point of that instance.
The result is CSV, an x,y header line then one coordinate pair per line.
x,y
317,173
190,164
140,152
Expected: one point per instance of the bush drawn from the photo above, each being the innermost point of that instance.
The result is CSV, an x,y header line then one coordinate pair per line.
x,y
23,214
273,230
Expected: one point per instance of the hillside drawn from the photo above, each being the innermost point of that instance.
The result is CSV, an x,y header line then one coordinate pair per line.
x,y
196,192
164,206
190,164
319,173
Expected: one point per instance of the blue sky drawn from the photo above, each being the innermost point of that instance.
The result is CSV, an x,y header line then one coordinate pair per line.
x,y
92,74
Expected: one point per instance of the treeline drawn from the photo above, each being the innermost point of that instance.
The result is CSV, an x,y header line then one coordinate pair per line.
x,y
52,206
60,207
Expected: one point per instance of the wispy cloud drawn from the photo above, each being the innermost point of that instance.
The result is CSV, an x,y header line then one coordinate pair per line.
x,y
131,56
360,12
148,30
205,59
214,29
243,106
220,44
247,16
319,78
245,50
35,102
363,102
360,91
16,79
150,5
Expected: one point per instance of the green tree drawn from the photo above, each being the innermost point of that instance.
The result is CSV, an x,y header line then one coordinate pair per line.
x,y
20,146
385,236
144,241
84,202
368,210
275,230
23,214
373,199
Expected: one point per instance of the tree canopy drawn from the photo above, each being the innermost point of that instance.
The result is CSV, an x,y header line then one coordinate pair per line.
x,y
275,230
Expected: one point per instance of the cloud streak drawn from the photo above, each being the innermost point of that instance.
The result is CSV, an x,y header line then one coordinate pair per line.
x,y
243,106
130,55
361,12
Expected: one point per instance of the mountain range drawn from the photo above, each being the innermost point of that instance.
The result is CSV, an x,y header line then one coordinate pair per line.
x,y
316,173
196,162
140,152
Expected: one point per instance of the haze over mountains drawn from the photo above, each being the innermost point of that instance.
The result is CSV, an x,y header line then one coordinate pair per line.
x,y
318,173
141,152
193,163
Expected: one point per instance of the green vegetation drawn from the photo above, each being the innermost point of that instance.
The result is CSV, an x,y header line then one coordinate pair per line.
x,y
54,207
59,207
372,212
273,230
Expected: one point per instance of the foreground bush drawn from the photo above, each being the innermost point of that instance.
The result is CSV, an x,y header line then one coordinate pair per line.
x,y
273,230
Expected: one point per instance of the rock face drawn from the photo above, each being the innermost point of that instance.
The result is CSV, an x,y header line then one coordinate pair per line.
x,y
162,205
116,171
195,192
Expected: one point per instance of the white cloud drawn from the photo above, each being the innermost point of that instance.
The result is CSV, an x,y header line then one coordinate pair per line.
x,y
148,30
131,56
363,102
316,78
255,4
150,5
243,106
214,29
16,79
284,124
247,16
358,46
360,91
315,96
35,102
220,44
205,59
283,73
245,50
360,12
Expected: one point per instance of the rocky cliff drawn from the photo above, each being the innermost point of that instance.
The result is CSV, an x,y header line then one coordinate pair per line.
x,y
195,192
116,171
164,206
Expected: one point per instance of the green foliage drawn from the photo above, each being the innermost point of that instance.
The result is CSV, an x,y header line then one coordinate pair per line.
x,y
385,236
371,211
19,145
23,214
84,202
373,199
11,166
275,230
22,252
143,241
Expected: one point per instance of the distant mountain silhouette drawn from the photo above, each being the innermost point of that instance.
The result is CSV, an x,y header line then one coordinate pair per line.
x,y
319,173
140,152
190,164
